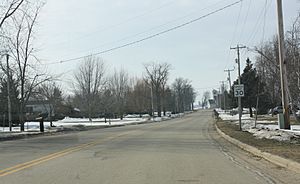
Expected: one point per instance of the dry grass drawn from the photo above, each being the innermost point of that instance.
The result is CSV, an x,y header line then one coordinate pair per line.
x,y
284,149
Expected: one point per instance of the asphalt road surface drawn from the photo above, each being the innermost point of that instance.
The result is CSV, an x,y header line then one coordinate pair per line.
x,y
183,150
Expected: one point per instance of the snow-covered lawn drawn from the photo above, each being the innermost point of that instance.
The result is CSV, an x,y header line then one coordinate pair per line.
x,y
66,123
74,123
69,122
263,129
229,117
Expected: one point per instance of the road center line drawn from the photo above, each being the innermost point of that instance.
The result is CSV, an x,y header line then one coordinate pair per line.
x,y
58,154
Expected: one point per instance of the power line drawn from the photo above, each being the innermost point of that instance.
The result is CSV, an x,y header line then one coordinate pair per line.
x,y
229,77
153,35
234,33
245,19
259,21
109,27
151,29
264,22
209,87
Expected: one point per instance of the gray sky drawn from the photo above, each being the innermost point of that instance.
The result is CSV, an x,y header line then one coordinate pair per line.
x,y
200,51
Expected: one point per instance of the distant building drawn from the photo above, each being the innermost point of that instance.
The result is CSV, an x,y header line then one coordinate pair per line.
x,y
212,103
34,108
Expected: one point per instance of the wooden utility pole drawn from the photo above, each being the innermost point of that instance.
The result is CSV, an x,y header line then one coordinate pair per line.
x,y
237,48
223,91
283,77
8,93
219,98
229,78
152,106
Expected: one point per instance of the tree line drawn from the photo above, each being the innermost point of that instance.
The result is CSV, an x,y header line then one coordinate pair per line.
x,y
96,92
100,93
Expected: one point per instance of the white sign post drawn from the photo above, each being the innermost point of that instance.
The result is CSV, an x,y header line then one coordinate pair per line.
x,y
239,90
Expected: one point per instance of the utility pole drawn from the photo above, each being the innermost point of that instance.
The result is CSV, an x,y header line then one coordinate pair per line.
x,y
152,107
229,78
237,48
283,77
8,93
219,99
223,91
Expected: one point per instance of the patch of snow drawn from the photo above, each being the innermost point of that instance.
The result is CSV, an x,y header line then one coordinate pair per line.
x,y
78,123
132,116
264,129
228,117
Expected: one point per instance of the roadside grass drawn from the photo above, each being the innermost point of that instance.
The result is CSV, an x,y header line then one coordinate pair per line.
x,y
284,149
275,118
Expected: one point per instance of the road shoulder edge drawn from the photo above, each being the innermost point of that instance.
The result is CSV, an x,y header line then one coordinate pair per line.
x,y
275,159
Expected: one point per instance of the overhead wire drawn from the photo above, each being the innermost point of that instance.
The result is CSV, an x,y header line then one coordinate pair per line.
x,y
151,36
151,29
109,27
234,34
263,27
210,87
245,19
259,24
264,22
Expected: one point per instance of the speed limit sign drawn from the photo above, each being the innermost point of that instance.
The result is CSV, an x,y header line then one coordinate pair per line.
x,y
239,90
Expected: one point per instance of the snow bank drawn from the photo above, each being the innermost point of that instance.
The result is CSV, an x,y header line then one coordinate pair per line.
x,y
264,129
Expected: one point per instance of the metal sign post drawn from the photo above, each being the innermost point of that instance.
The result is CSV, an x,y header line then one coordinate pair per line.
x,y
239,92
239,80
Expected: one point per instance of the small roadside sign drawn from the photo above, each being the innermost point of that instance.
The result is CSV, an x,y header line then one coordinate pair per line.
x,y
239,90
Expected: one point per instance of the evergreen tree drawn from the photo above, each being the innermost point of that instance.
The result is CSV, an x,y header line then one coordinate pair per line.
x,y
254,89
15,103
250,81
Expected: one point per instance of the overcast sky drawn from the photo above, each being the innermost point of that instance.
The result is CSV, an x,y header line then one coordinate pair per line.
x,y
199,51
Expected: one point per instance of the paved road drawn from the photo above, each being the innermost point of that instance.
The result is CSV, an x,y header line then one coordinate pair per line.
x,y
186,150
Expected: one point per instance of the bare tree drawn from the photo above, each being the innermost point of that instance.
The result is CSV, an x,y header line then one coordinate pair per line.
x,y
107,103
205,98
184,94
119,85
157,76
8,8
21,35
89,83
140,98
50,93
268,66
178,90
293,67
190,97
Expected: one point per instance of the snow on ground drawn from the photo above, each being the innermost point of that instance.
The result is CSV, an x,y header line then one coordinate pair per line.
x,y
264,129
229,117
67,122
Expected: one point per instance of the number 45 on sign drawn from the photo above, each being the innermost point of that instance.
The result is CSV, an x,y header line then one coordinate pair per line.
x,y
239,90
